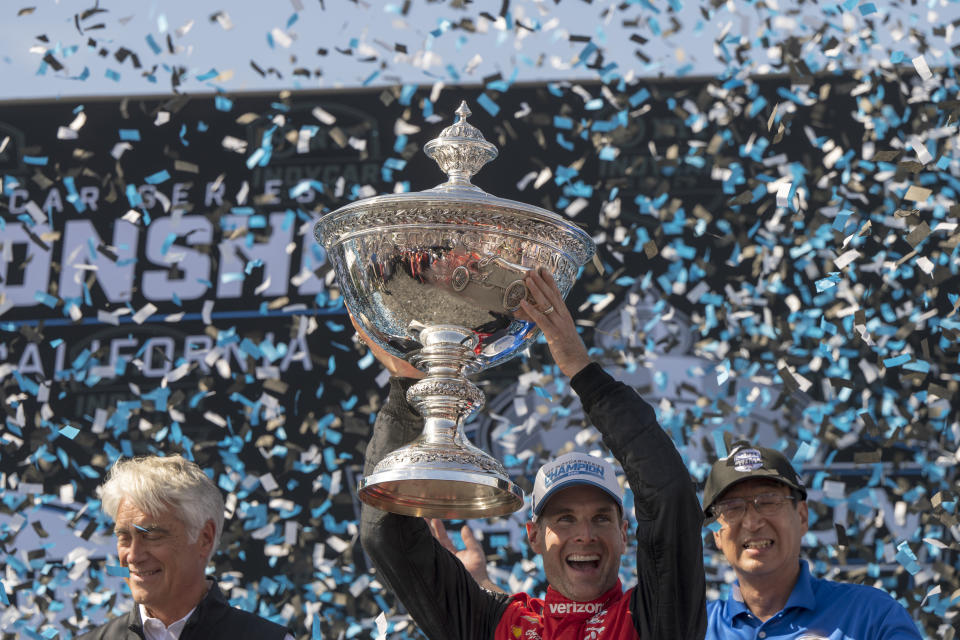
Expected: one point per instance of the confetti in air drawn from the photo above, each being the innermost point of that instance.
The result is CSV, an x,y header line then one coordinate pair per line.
x,y
776,211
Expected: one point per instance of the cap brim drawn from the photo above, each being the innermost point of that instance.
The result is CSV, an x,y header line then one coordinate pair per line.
x,y
573,483
754,475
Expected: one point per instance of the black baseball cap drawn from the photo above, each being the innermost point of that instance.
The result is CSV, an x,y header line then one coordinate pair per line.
x,y
746,462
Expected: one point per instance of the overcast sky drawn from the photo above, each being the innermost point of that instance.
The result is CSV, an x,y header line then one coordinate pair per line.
x,y
91,46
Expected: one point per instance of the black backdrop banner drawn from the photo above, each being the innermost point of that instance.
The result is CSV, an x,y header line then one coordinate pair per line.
x,y
777,258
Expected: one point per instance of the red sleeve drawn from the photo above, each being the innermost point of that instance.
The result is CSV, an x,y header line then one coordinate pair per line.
x,y
523,614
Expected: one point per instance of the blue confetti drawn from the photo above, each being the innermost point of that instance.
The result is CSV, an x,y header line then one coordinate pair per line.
x,y
69,432
158,177
116,570
488,104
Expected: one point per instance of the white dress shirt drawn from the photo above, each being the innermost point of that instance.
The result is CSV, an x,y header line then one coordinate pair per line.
x,y
154,629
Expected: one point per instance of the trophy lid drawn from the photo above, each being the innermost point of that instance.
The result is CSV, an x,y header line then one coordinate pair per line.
x,y
461,151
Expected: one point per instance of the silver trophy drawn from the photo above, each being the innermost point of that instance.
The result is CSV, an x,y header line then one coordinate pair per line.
x,y
435,277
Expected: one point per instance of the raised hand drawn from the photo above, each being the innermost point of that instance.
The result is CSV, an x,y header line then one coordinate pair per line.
x,y
472,556
554,320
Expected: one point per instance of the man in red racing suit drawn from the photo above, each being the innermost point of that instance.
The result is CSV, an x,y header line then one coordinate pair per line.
x,y
579,531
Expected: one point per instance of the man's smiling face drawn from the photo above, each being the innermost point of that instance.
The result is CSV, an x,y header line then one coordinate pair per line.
x,y
581,537
166,567
759,546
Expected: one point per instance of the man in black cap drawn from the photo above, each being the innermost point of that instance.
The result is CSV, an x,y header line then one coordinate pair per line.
x,y
760,503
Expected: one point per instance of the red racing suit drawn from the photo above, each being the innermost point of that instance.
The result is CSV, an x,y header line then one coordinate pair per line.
x,y
669,601
558,618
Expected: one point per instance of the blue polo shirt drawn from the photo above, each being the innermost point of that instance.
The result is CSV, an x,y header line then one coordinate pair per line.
x,y
833,610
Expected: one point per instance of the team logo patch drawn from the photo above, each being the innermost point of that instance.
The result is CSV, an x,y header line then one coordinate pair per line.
x,y
747,460
575,607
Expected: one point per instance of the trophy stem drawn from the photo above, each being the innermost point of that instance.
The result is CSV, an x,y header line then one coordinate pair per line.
x,y
441,474
441,432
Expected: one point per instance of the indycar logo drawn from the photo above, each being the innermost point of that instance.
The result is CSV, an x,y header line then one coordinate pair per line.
x,y
746,460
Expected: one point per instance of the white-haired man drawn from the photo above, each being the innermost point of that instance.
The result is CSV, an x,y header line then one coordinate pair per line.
x,y
578,527
168,516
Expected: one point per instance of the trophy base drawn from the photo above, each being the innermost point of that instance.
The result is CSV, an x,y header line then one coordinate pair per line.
x,y
461,482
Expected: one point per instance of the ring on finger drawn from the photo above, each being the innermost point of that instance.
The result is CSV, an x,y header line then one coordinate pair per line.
x,y
548,310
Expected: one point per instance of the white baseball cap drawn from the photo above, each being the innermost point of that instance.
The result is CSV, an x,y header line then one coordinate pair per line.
x,y
575,469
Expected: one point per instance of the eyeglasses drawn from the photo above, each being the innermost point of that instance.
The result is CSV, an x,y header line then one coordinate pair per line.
x,y
766,504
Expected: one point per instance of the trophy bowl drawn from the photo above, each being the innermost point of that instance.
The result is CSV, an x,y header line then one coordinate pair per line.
x,y
435,277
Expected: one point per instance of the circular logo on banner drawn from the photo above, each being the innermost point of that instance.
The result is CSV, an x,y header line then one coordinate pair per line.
x,y
747,460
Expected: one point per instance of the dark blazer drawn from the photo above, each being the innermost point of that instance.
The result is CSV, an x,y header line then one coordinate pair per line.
x,y
213,618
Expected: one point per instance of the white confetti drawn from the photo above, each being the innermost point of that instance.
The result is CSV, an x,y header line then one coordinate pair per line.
x,y
119,149
263,286
920,148
783,194
178,373
78,122
474,62
381,625
833,489
337,544
243,193
360,585
185,29
268,483
223,19
145,312
215,418
545,174
281,38
234,144
35,212
920,64
323,116
846,258
100,420
576,207
290,530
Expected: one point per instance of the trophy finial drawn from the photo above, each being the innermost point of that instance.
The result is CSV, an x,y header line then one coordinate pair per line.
x,y
461,150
